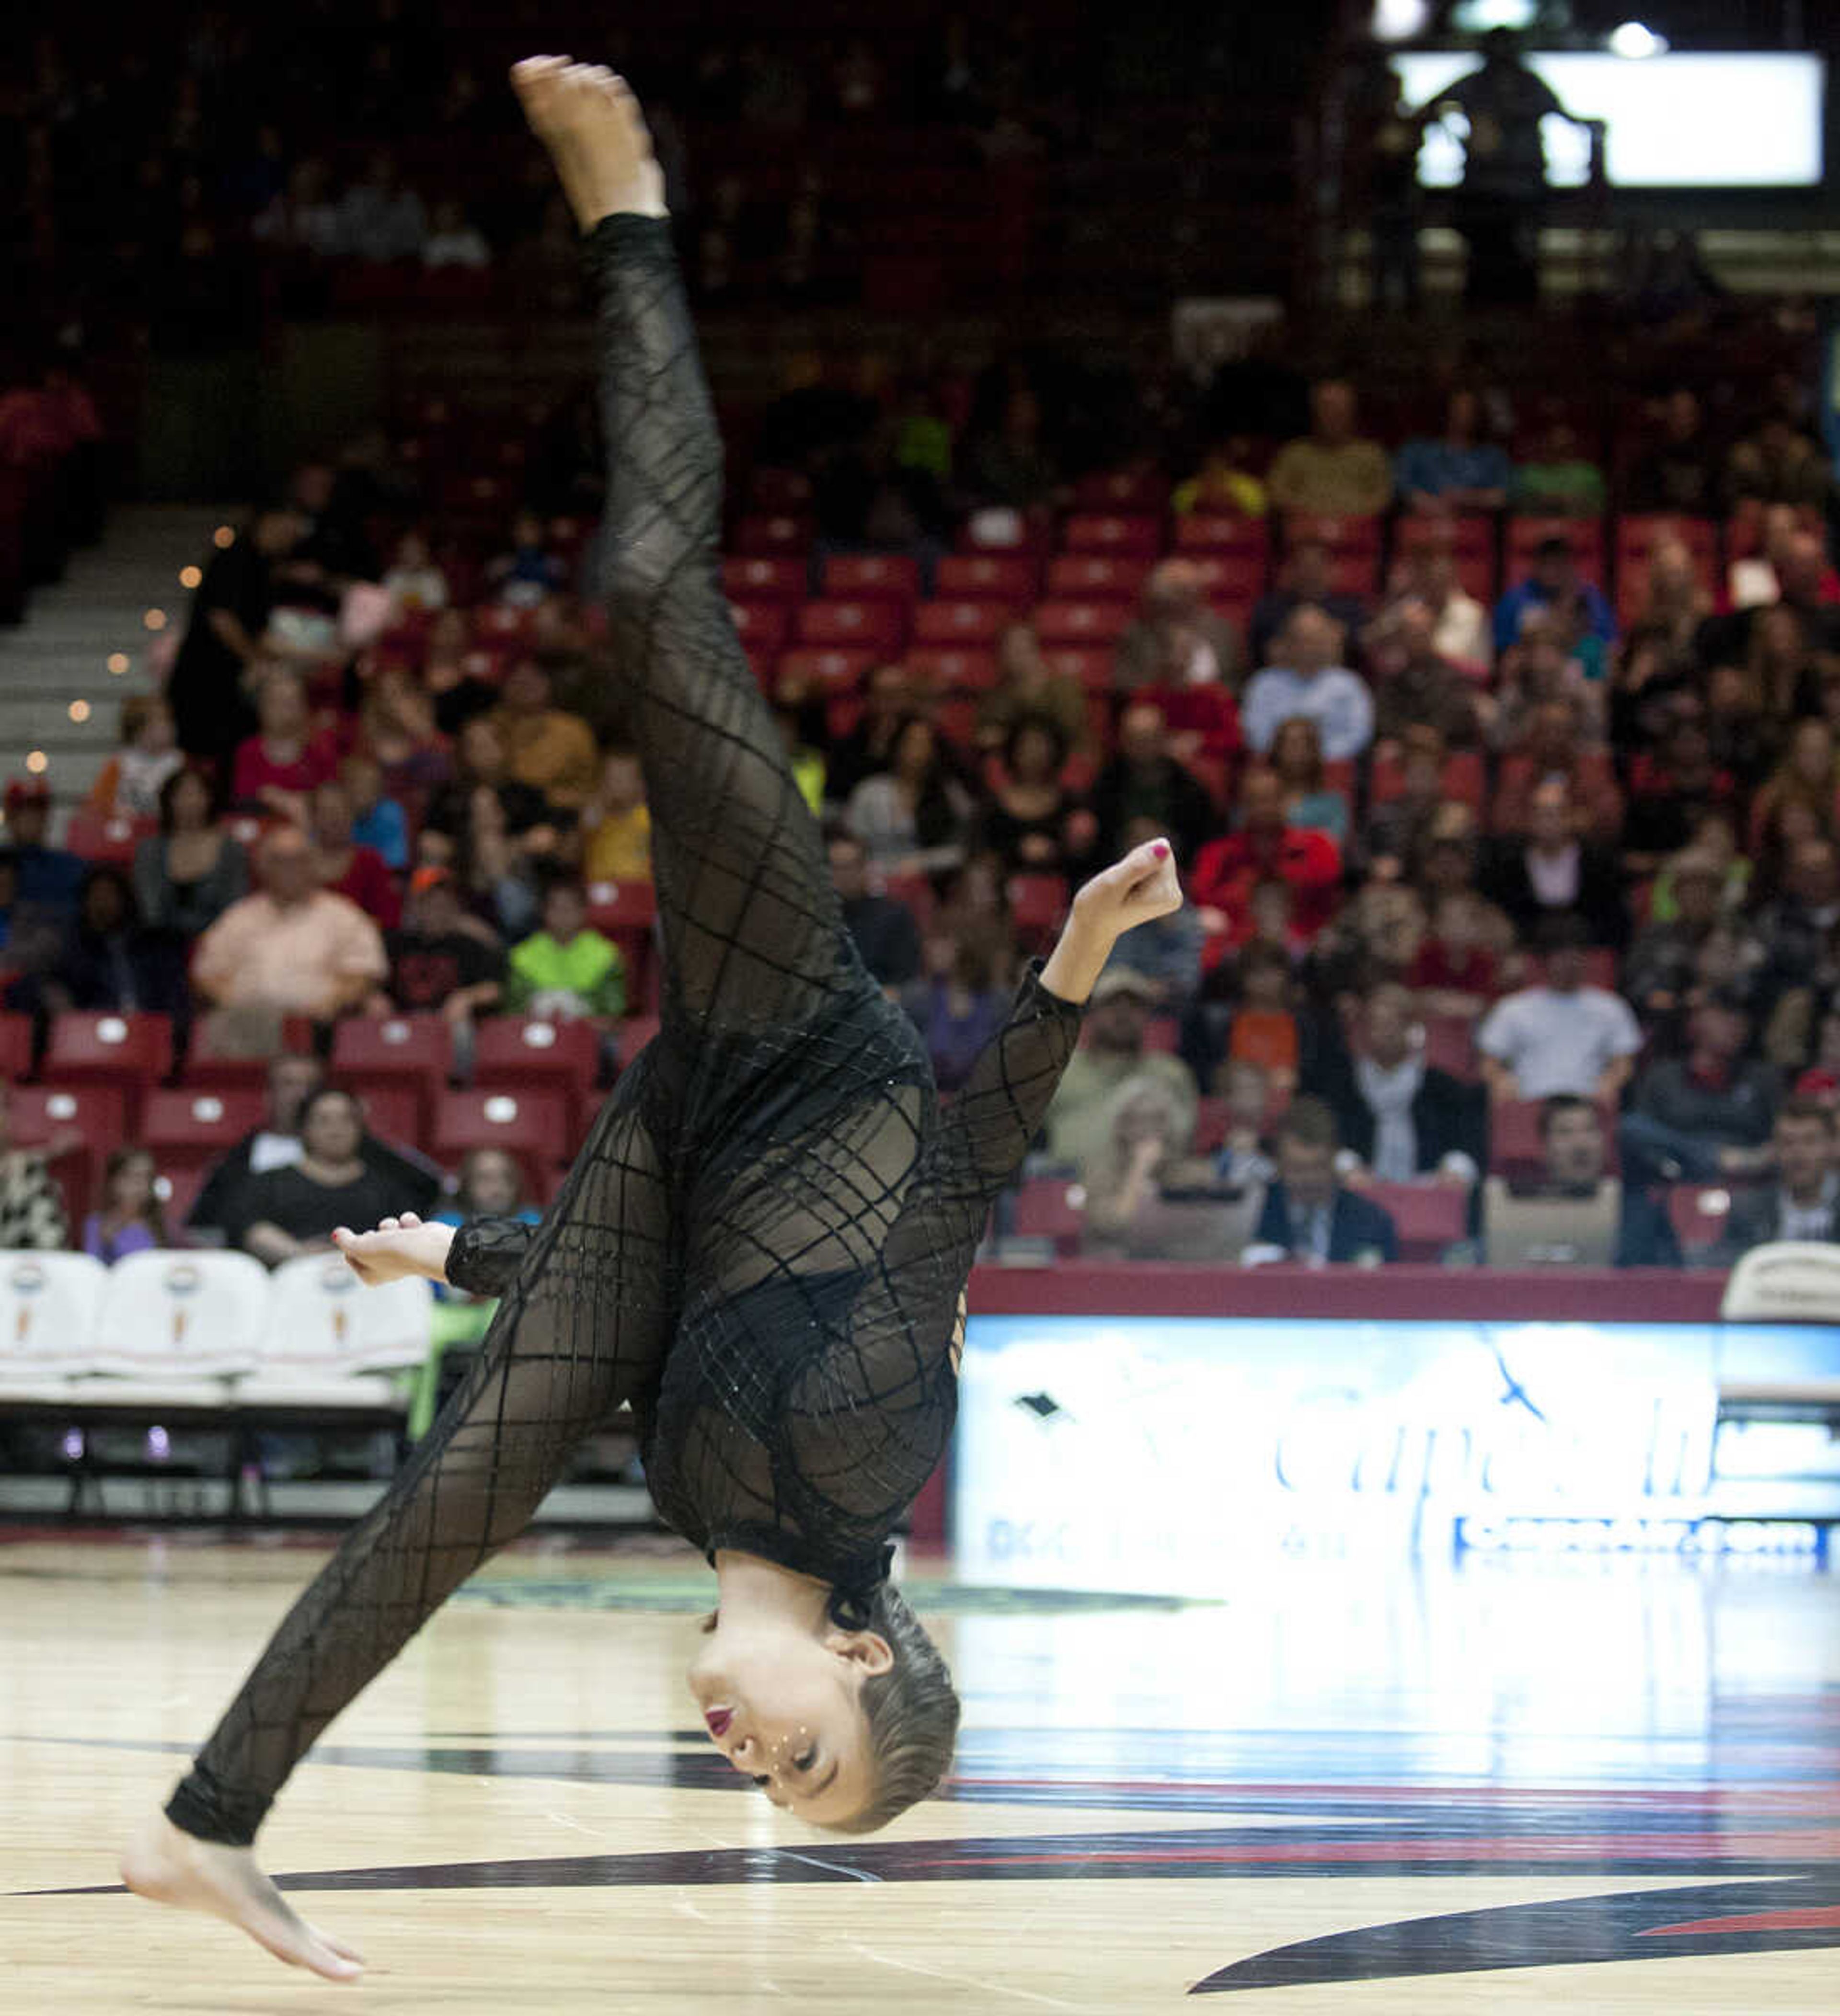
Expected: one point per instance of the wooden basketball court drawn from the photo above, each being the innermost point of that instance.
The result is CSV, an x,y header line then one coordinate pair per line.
x,y
1587,1787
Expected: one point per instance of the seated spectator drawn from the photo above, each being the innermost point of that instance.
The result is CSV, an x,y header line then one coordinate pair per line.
x,y
1553,580
1305,580
379,219
1148,1197
414,585
1225,483
1672,791
1078,1124
108,963
1307,678
1539,672
1143,780
1715,839
1414,684
1560,481
1167,950
1808,774
566,969
889,702
1804,1201
295,1208
128,785
1458,471
278,767
1461,633
1264,849
1660,967
1796,928
1026,685
303,219
1331,472
1398,830
1571,1217
1309,1214
1297,763
1777,463
882,928
1708,1113
1680,472
377,822
806,760
1244,1158
1398,1118
48,880
1456,971
1552,872
527,571
399,730
1011,467
617,823
443,961
1745,740
276,1144
1175,640
292,948
913,817
31,1205
520,811
451,680
553,751
976,909
958,1008
132,1219
188,875
1264,1029
1674,600
1560,1035
358,873
1032,821
1792,580
455,240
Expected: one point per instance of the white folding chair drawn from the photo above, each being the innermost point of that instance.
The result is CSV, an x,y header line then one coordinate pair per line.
x,y
330,1340
176,1327
47,1319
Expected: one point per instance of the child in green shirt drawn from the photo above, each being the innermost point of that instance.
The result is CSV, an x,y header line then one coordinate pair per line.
x,y
566,969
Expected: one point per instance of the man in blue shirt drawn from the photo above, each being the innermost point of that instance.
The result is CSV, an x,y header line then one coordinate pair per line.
x,y
48,878
1555,581
1305,679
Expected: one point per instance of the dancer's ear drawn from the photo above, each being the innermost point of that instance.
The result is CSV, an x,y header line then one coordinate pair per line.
x,y
869,1650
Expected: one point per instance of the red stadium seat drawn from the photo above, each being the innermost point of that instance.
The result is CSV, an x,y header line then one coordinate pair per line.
x,y
412,1052
944,668
632,1035
1637,537
1464,777
783,532
627,912
764,577
1001,531
186,1130
1081,622
95,1113
16,1047
208,1068
961,621
1052,1207
828,670
110,841
870,626
534,1126
1450,1045
1698,1213
779,490
1212,532
1213,1117
132,1052
1526,535
1090,663
916,892
762,626
1106,576
1429,1217
1236,580
1005,578
1037,903
886,576
514,1053
1119,533
1122,490
391,1112
1470,540
501,626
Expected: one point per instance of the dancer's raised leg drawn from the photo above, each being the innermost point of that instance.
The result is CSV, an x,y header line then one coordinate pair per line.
x,y
752,928
582,1327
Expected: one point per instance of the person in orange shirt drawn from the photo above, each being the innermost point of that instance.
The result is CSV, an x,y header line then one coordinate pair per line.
x,y
1264,1027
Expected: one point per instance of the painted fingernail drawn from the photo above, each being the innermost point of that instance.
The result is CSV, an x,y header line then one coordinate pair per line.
x,y
1160,850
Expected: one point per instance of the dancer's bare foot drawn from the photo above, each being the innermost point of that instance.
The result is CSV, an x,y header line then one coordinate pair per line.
x,y
591,123
171,1866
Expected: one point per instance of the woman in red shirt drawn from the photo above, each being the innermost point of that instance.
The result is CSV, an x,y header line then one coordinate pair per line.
x,y
281,763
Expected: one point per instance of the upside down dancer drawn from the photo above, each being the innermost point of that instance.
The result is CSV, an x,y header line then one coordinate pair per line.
x,y
763,1246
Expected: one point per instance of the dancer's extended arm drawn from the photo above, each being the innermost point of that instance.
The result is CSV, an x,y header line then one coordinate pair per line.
x,y
482,1256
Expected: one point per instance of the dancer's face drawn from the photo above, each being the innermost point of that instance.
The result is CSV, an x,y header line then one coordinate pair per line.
x,y
784,1706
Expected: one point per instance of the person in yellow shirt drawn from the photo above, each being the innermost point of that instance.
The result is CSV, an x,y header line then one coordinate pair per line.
x,y
1330,471
617,823
551,751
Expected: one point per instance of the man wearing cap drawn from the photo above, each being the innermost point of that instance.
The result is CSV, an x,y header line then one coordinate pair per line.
x,y
1113,1049
442,961
49,878
292,946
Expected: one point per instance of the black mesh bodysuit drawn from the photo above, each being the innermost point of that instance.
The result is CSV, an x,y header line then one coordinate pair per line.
x,y
763,1243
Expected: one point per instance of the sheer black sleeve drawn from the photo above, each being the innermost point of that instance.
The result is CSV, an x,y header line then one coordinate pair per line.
x,y
487,1253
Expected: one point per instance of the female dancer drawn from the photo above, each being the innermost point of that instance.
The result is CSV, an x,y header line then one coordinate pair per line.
x,y
762,1247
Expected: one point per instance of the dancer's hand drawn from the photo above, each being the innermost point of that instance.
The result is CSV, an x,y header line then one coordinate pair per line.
x,y
1143,886
398,1248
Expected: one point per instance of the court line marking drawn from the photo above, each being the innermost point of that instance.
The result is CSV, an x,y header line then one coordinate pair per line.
x,y
833,1868
961,1980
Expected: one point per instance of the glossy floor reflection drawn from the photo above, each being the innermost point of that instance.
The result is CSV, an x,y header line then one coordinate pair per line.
x,y
1593,1786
